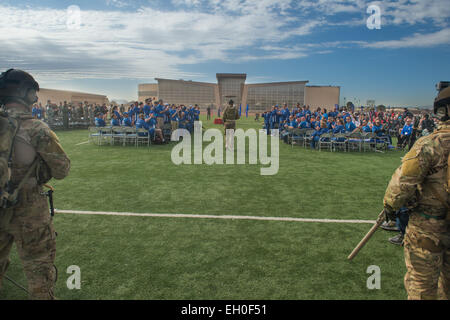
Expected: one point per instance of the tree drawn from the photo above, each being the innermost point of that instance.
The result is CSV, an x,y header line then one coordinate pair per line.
x,y
350,106
381,108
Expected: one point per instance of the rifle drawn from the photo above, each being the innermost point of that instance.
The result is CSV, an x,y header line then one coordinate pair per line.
x,y
49,194
381,218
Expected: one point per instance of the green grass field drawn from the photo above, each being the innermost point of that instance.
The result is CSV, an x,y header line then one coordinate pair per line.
x,y
179,258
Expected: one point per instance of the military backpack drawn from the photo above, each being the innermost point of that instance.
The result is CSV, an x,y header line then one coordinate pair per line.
x,y
8,131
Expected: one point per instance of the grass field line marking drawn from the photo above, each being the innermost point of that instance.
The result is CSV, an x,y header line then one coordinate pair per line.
x,y
205,216
78,144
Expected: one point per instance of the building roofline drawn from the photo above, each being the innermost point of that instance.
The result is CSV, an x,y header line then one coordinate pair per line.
x,y
313,86
77,92
231,75
185,81
277,83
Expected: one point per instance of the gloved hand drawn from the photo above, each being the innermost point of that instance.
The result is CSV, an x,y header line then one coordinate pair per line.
x,y
390,214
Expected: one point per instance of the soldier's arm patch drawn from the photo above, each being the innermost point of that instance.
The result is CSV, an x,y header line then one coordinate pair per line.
x,y
411,167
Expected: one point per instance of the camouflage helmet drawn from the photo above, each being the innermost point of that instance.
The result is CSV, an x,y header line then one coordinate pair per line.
x,y
18,86
231,102
442,101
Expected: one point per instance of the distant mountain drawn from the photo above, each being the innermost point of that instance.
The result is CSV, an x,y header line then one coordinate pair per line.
x,y
120,101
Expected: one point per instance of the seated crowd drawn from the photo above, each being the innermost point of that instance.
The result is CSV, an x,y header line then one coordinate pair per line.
x,y
405,127
152,116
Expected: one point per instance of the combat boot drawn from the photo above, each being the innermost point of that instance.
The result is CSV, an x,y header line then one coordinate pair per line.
x,y
389,226
397,240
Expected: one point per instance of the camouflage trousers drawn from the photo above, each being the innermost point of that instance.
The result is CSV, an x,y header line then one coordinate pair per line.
x,y
30,227
230,125
427,258
229,138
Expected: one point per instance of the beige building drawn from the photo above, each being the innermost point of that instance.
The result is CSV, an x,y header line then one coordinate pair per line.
x,y
322,96
59,96
231,86
147,90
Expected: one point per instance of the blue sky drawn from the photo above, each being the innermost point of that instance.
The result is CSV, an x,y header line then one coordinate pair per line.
x,y
119,44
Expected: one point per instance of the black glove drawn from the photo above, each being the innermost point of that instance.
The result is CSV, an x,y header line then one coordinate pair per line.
x,y
390,214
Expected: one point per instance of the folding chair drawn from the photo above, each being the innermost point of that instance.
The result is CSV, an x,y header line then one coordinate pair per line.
x,y
94,135
354,141
130,136
339,140
325,140
368,141
117,135
105,135
308,137
298,135
143,136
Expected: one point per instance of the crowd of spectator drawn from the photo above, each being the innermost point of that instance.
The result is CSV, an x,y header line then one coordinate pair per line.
x,y
405,126
154,114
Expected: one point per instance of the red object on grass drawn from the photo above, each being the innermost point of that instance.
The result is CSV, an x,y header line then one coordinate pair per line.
x,y
218,121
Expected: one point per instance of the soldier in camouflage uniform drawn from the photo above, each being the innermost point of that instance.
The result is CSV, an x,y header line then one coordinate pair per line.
x,y
28,223
230,115
421,183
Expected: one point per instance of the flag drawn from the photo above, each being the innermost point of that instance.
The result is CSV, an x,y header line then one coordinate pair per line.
x,y
246,111
240,110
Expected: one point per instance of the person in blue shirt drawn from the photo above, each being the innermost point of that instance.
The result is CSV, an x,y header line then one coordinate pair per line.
x,y
330,122
285,113
182,120
349,125
287,125
405,133
126,121
378,128
147,108
339,127
115,111
381,131
153,128
319,131
314,123
114,121
134,116
275,118
99,121
304,124
173,114
197,113
365,127
266,117
36,112
345,115
159,112
142,123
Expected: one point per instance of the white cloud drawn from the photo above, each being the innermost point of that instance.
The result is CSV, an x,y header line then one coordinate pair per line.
x,y
143,44
117,3
153,42
417,40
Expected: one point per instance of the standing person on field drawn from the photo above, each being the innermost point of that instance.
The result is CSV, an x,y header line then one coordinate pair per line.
x,y
230,115
35,157
421,184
